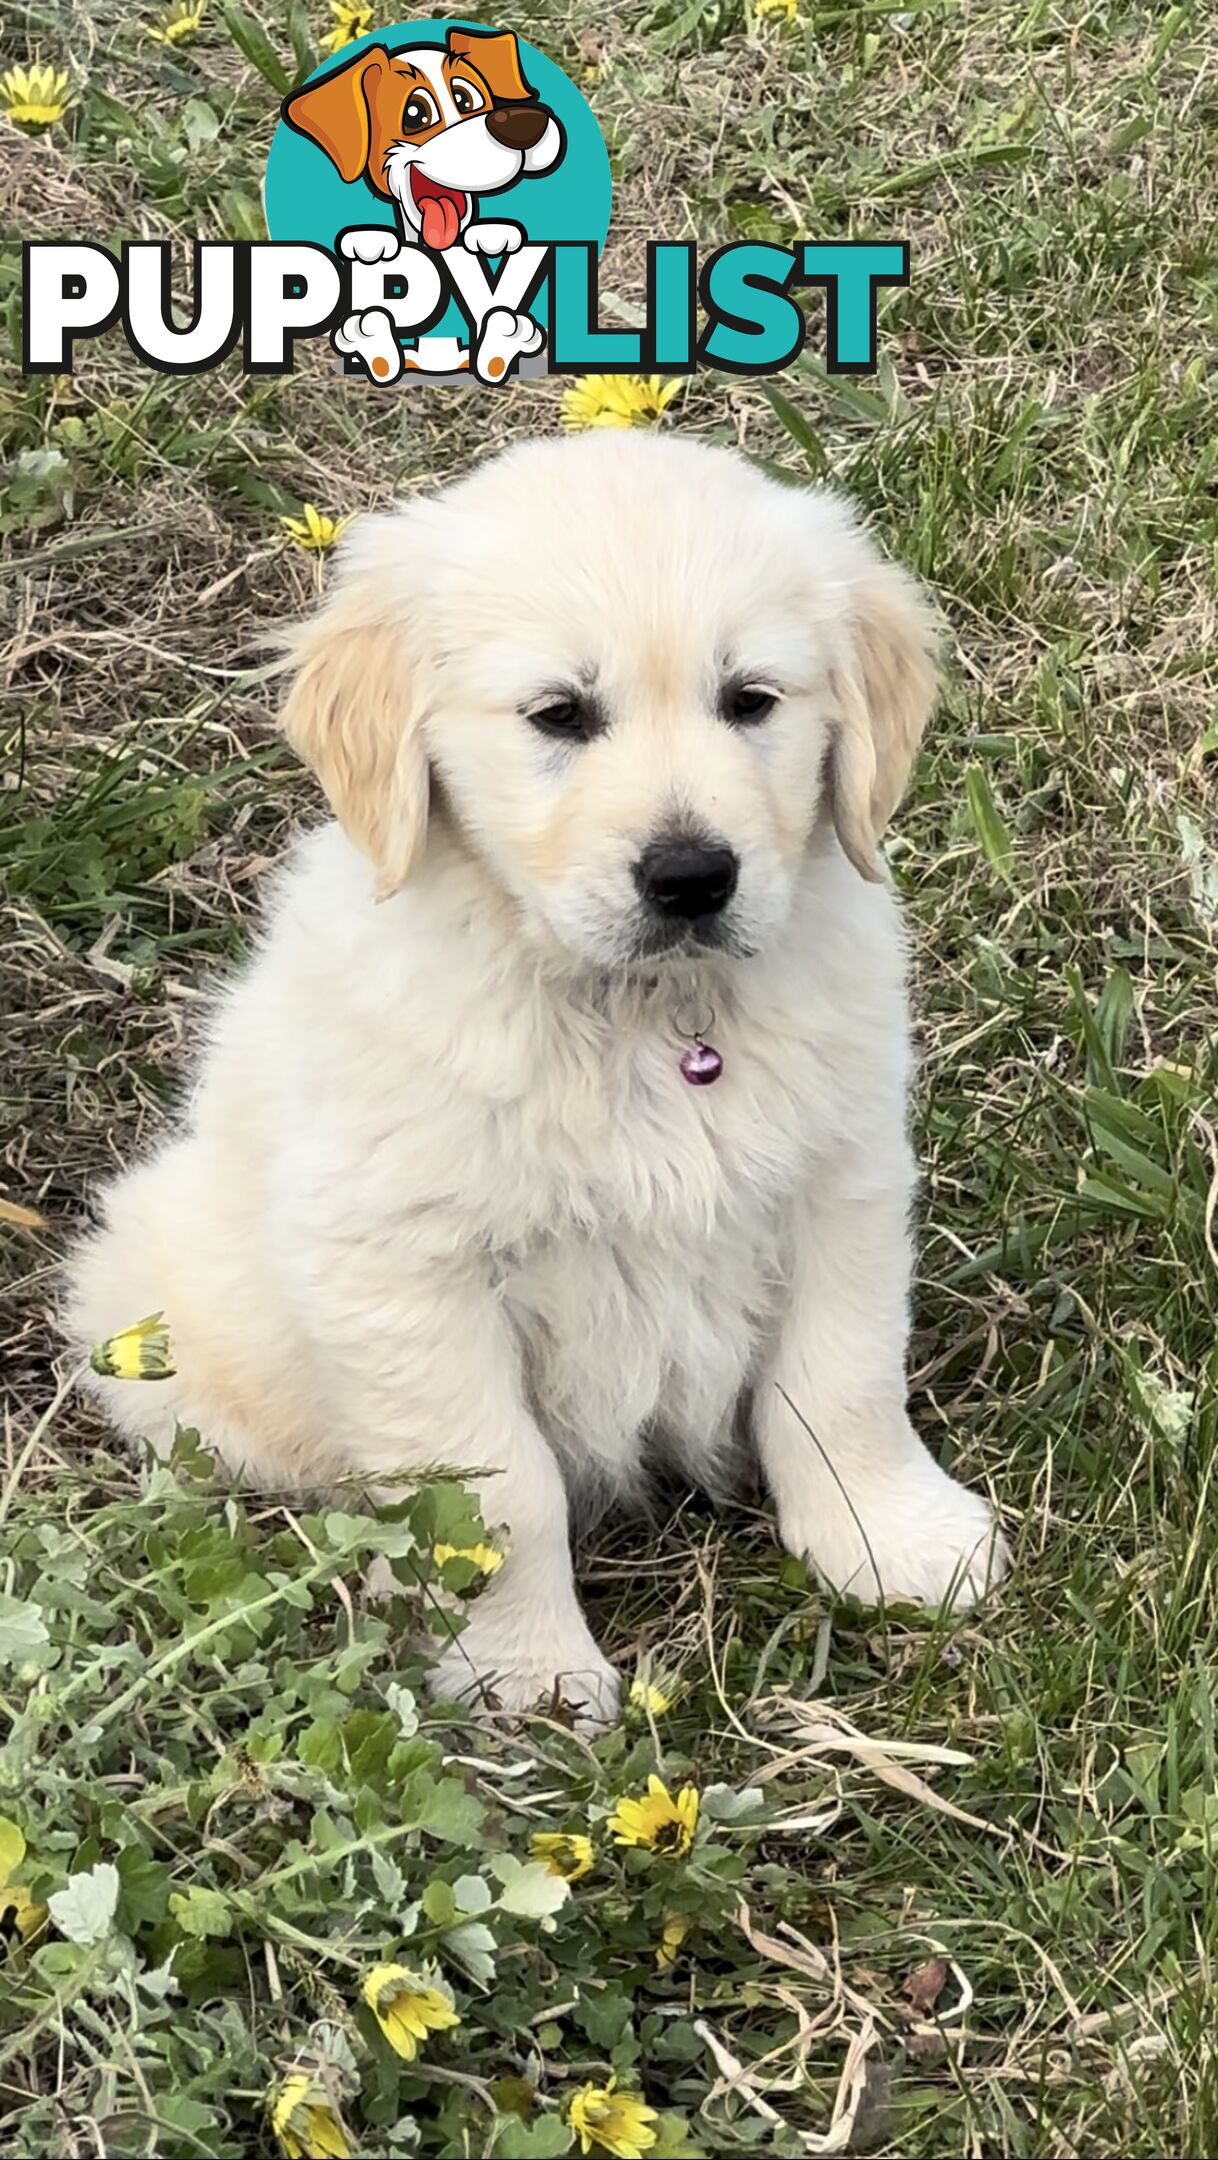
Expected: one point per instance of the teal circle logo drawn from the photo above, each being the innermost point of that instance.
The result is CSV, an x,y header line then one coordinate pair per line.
x,y
439,159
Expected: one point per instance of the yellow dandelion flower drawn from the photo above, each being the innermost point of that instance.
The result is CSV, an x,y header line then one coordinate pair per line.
x,y
608,2121
617,401
408,2006
483,1556
21,1918
306,2123
673,1933
37,96
646,1696
352,19
566,1853
665,1825
179,24
142,1352
314,531
772,10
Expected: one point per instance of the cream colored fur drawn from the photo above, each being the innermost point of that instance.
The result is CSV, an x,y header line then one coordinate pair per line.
x,y
441,1193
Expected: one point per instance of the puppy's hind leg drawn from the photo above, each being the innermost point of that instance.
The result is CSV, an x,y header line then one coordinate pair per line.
x,y
503,341
370,339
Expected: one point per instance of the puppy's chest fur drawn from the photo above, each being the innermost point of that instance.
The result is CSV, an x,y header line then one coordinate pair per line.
x,y
644,1283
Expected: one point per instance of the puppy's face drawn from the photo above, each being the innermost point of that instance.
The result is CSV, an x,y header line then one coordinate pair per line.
x,y
631,668
431,128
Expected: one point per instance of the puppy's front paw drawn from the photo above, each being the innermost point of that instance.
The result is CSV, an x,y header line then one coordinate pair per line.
x,y
489,237
520,1660
916,1538
370,243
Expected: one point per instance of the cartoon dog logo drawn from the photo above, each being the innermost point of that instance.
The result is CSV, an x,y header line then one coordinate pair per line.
x,y
433,129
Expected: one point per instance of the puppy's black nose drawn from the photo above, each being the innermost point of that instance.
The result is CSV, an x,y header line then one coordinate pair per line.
x,y
683,879
517,127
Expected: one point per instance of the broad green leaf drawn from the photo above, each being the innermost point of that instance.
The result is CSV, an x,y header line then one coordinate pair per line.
x,y
159,1982
472,1893
444,1809
389,1879
544,2138
60,1963
1168,1410
144,1896
439,1904
673,2138
178,2112
729,1803
680,2043
199,122
23,1630
201,1911
529,1888
405,1709
345,1533
84,1909
473,1947
604,2014
1142,1761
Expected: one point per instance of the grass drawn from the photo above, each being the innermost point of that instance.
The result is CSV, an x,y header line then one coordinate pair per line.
x,y
1013,1953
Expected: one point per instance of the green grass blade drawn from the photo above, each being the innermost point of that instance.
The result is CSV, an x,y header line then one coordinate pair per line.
x,y
801,431
251,39
990,828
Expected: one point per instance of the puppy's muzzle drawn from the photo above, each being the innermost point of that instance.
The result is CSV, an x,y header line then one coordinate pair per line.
x,y
686,880
517,127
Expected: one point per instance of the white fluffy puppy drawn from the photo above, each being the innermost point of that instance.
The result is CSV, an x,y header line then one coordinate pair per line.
x,y
610,730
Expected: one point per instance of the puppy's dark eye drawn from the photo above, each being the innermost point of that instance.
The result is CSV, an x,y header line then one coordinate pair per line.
x,y
573,719
419,112
744,704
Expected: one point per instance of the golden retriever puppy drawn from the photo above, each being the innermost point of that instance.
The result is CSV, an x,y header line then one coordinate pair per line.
x,y
558,1124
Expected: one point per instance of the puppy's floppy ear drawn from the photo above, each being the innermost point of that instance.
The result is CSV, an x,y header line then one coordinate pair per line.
x,y
496,55
334,111
354,712
886,694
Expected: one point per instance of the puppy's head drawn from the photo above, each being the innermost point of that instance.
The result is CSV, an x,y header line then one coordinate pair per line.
x,y
431,127
643,678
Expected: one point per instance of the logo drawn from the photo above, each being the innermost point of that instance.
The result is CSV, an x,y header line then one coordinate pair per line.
x,y
443,164
437,200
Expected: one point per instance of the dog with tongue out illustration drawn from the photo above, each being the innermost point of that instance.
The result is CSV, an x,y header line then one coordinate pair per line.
x,y
431,129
